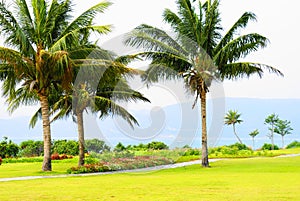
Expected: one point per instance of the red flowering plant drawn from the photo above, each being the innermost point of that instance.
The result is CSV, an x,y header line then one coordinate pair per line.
x,y
0,160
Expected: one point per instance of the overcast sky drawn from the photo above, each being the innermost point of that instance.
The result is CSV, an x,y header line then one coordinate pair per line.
x,y
277,20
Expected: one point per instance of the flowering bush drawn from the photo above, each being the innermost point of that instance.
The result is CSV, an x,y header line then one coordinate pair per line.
x,y
0,160
121,164
88,168
56,156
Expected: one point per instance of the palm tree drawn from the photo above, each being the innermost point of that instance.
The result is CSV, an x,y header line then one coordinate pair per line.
x,y
253,134
232,118
197,52
272,120
282,127
97,88
41,36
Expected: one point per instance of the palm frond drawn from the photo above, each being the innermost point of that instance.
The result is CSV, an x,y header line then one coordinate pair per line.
x,y
110,107
153,39
13,33
240,48
85,18
71,38
245,69
242,22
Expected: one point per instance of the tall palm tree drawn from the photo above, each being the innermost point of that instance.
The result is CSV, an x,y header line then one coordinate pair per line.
x,y
232,118
41,35
197,51
253,134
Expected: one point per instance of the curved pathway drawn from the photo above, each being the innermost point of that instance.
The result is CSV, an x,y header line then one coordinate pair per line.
x,y
161,167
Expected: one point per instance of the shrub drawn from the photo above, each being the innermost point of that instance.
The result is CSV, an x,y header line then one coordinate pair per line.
x,y
96,145
0,160
192,152
121,164
88,168
31,148
239,146
8,148
294,144
157,146
119,147
56,156
267,146
69,147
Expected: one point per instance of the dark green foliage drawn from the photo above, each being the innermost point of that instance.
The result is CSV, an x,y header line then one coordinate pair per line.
x,y
267,146
96,145
119,147
157,145
239,146
294,144
139,147
8,148
69,147
186,147
31,148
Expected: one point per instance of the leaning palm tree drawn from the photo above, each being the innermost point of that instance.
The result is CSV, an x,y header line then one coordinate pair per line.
x,y
197,51
41,35
232,118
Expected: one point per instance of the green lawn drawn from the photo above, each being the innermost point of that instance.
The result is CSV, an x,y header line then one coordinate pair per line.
x,y
232,179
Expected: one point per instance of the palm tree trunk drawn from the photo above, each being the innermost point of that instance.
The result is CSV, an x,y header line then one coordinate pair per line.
x,y
282,142
46,133
205,162
236,134
253,148
80,137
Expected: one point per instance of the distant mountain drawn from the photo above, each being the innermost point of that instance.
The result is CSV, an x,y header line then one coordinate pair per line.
x,y
175,125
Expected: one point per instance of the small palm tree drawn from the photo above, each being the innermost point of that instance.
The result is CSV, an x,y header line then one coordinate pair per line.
x,y
282,127
253,134
92,94
232,118
272,120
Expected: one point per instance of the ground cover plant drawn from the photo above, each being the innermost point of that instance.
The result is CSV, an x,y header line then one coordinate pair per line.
x,y
231,179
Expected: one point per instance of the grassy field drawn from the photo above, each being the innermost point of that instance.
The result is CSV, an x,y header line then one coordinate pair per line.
x,y
232,179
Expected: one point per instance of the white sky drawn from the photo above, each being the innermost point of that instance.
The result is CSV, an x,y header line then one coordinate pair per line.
x,y
277,20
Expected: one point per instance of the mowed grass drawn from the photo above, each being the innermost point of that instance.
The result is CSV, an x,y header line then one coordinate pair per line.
x,y
232,179
35,168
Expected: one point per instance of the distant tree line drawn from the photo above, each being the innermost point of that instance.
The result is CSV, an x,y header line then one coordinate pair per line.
x,y
276,125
